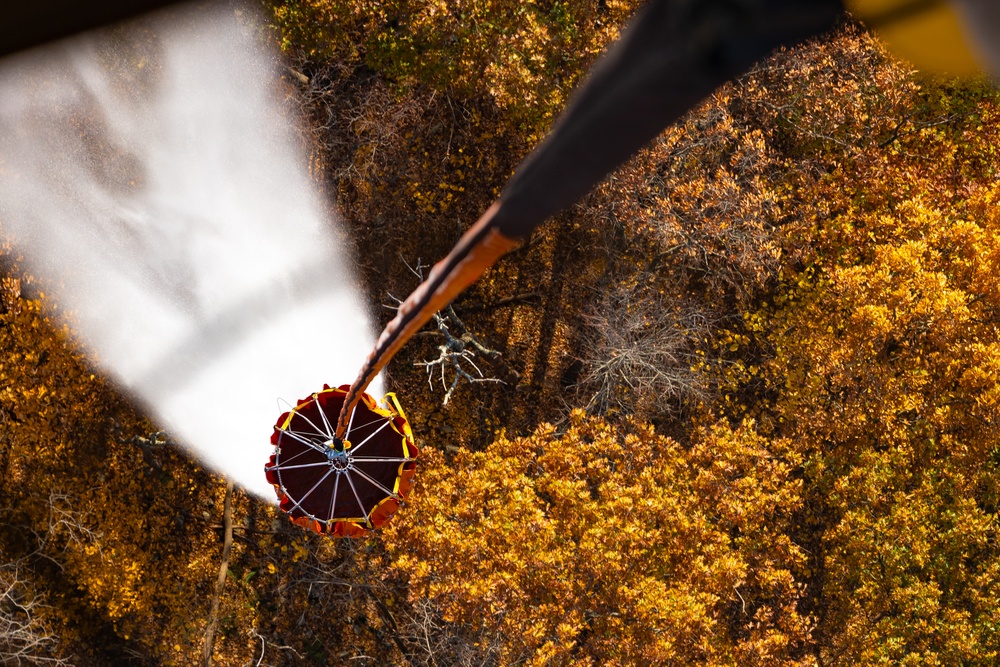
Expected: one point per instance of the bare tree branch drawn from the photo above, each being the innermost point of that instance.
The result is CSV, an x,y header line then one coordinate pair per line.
x,y
640,355
24,637
455,352
227,545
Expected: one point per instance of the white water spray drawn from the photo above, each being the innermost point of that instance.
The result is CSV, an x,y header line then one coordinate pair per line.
x,y
149,173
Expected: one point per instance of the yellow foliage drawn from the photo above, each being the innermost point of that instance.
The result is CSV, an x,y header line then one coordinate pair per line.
x,y
883,356
526,56
823,233
605,545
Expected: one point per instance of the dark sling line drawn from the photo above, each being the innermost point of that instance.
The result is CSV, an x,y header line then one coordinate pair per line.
x,y
673,55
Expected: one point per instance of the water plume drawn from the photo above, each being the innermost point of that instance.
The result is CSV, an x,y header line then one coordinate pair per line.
x,y
151,174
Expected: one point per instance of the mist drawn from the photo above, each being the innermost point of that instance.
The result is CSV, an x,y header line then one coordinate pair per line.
x,y
152,177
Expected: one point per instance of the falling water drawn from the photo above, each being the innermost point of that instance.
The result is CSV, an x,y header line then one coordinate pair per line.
x,y
151,174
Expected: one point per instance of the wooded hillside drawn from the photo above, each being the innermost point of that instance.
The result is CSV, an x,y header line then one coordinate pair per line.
x,y
748,399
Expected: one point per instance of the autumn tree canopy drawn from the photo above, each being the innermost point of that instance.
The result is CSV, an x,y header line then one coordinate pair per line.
x,y
749,385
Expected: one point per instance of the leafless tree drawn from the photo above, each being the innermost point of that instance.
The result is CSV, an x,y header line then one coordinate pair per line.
x,y
456,354
640,354
439,643
345,578
25,639
264,644
227,545
352,128
68,525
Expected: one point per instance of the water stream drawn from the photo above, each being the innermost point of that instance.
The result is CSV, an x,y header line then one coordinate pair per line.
x,y
152,176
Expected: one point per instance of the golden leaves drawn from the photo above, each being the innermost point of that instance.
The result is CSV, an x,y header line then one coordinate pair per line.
x,y
526,56
608,544
883,367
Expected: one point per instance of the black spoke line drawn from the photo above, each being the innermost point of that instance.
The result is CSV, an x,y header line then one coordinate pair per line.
x,y
371,423
381,459
306,435
381,488
351,420
322,413
307,443
361,505
298,503
281,466
298,412
333,499
357,447
279,462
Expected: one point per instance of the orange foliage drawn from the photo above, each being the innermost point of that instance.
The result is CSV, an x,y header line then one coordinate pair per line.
x,y
813,253
605,545
527,56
